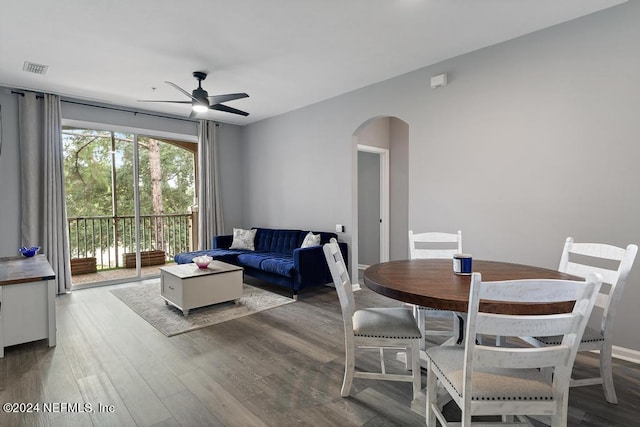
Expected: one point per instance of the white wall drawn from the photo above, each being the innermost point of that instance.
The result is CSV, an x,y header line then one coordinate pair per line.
x,y
533,140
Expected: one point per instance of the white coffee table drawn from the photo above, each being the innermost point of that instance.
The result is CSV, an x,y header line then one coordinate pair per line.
x,y
186,286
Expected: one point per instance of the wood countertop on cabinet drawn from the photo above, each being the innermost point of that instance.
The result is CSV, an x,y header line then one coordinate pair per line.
x,y
16,270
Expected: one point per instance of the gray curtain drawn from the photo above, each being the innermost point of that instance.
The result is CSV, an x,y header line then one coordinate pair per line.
x,y
44,218
210,221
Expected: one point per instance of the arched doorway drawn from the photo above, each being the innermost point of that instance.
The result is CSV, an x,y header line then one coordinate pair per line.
x,y
375,137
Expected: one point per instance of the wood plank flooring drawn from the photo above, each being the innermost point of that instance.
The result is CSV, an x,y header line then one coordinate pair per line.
x,y
279,367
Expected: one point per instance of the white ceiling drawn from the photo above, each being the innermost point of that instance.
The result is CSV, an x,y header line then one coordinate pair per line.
x,y
284,53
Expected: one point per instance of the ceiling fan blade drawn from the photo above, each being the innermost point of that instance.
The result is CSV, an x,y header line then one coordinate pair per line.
x,y
217,99
221,107
181,90
173,102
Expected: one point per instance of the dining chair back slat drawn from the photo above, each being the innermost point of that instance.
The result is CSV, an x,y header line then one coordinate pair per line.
x,y
506,358
434,245
496,324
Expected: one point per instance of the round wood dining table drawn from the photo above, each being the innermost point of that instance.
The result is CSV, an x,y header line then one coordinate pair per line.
x,y
432,283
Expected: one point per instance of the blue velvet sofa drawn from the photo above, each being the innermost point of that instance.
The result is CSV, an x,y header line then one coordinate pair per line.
x,y
278,258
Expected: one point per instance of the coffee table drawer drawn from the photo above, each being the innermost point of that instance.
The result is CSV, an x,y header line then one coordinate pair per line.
x,y
171,289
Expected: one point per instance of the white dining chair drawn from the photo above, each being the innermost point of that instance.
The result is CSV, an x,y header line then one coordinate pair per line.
x,y
378,328
434,245
518,381
581,259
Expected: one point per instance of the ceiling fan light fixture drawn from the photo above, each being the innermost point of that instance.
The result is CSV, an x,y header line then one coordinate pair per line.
x,y
199,108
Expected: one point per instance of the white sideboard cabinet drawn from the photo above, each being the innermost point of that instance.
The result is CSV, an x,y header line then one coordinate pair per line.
x,y
27,301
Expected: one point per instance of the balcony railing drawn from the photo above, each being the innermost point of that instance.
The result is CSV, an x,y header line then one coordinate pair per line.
x,y
109,238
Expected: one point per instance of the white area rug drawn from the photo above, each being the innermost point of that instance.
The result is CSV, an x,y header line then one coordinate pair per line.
x,y
144,299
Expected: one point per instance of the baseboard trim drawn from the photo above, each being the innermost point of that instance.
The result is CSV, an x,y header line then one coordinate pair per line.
x,y
355,286
625,354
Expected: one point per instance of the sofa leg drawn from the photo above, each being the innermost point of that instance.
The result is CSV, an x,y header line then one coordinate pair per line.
x,y
295,295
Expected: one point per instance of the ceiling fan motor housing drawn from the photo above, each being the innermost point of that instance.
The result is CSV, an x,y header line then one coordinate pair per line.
x,y
201,95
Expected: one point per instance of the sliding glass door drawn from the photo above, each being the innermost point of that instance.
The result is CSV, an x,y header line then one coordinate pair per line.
x,y
128,201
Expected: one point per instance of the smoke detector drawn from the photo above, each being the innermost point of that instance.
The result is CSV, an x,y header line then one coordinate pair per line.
x,y
32,67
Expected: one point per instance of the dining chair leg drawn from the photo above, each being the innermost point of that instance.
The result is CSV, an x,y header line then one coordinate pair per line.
x,y
414,352
349,368
606,372
420,320
432,397
559,420
458,325
408,360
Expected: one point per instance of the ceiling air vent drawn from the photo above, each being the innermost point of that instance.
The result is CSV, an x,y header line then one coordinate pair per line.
x,y
34,68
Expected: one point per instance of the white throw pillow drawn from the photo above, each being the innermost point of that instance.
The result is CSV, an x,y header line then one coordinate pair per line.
x,y
310,240
243,239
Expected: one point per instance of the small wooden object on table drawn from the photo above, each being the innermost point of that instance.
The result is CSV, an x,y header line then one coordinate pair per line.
x,y
186,286
27,301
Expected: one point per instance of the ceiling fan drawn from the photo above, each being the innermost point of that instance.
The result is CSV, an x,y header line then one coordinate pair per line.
x,y
201,101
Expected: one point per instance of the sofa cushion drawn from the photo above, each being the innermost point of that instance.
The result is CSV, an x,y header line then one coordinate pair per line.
x,y
243,239
186,257
268,261
284,241
224,255
324,236
310,240
282,265
253,260
263,239
278,241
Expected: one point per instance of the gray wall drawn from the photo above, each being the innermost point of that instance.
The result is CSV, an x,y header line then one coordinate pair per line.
x,y
398,189
375,133
533,140
231,174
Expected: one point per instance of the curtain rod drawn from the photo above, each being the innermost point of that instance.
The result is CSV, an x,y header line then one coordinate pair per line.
x,y
40,95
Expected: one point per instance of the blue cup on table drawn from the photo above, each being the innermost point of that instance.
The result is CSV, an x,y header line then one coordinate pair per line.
x,y
462,264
